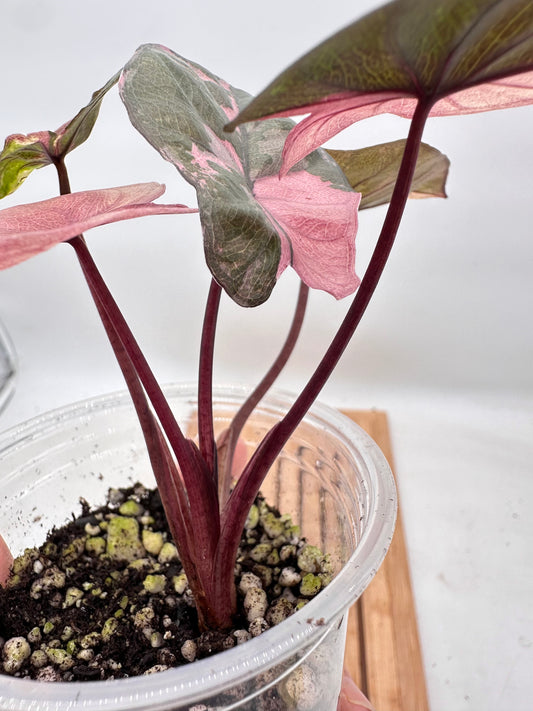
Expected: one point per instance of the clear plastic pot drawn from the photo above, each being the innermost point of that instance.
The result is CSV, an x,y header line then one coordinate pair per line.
x,y
331,477
8,367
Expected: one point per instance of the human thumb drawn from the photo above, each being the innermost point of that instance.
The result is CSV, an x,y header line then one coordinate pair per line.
x,y
6,560
351,697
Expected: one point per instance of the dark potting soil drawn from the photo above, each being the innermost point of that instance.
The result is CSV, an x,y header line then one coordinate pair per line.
x,y
105,596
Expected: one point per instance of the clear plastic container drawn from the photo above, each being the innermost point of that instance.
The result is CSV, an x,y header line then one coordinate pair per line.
x,y
8,367
331,477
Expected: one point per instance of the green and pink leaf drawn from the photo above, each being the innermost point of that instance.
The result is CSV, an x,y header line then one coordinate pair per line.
x,y
76,131
20,156
252,226
456,56
23,154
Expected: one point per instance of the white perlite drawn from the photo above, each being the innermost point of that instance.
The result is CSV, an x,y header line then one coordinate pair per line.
x,y
15,652
249,580
299,689
255,603
188,650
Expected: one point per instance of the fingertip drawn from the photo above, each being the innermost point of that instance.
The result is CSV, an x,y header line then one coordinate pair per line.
x,y
6,561
351,697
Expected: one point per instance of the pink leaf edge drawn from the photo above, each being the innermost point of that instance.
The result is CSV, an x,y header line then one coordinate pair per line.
x,y
27,230
317,226
329,117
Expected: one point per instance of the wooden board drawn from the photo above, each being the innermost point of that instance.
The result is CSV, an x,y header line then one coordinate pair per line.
x,y
383,649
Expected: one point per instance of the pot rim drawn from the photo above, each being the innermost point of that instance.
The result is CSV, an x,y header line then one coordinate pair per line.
x,y
302,629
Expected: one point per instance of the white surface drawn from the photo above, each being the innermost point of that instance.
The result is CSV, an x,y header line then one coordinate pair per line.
x,y
446,346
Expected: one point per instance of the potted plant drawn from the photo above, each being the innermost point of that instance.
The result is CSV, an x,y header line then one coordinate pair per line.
x,y
265,201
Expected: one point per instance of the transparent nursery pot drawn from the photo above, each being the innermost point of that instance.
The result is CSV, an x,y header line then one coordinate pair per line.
x,y
8,367
331,478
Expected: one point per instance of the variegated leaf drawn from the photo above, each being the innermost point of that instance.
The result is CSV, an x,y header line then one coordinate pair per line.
x,y
23,154
181,109
372,171
456,56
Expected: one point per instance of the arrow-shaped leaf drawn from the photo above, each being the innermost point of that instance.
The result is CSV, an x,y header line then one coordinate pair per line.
x,y
75,132
252,225
373,171
456,56
23,154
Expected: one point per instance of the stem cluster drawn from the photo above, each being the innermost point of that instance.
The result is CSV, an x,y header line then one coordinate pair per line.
x,y
195,481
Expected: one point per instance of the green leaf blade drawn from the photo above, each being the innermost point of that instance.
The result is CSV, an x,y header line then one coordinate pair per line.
x,y
20,157
373,171
241,248
24,154
75,132
453,56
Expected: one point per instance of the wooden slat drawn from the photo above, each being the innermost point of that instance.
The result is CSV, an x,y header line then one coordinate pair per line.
x,y
383,649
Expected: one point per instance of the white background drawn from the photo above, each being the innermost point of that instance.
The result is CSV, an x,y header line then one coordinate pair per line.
x,y
446,346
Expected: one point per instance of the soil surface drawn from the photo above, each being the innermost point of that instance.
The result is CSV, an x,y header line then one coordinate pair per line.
x,y
105,596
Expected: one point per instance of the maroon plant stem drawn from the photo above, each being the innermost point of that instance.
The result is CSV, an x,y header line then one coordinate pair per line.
x,y
148,424
62,174
153,390
197,547
169,480
151,430
206,436
246,409
138,396
200,502
156,445
167,474
164,468
201,493
108,305
243,495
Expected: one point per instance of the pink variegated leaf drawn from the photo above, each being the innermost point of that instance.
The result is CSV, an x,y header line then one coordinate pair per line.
x,y
317,239
455,56
181,109
27,230
23,154
313,206
328,119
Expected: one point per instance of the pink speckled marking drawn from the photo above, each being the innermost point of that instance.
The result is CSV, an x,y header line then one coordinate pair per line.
x,y
329,117
222,153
